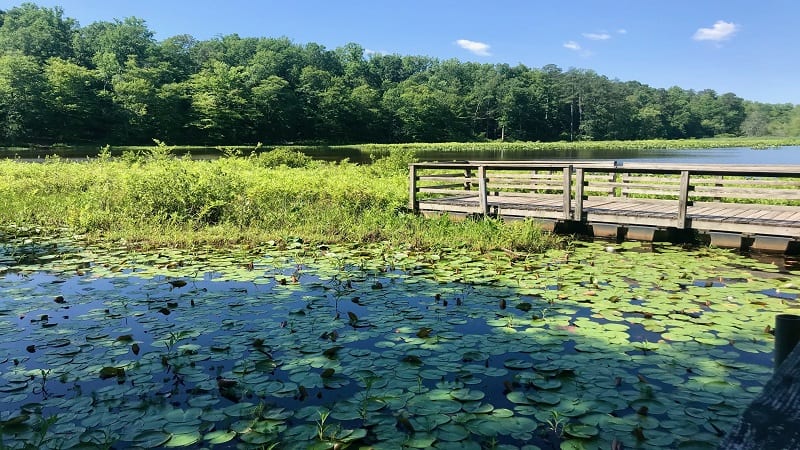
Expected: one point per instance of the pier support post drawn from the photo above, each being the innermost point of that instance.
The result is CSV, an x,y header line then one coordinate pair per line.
x,y
725,240
683,201
787,335
482,191
606,230
567,193
771,244
413,202
579,185
640,233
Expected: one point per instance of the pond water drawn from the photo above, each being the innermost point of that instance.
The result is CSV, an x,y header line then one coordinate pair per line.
x,y
651,346
738,155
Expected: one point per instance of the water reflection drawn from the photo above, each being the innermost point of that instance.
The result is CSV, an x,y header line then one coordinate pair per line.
x,y
737,155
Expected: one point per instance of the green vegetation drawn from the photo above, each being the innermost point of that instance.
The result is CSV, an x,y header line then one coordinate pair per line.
x,y
152,198
649,144
380,346
112,82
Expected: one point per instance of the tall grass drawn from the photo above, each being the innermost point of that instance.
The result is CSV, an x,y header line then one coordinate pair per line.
x,y
153,199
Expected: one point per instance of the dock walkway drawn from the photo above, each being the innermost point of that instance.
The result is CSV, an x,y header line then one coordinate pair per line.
x,y
731,203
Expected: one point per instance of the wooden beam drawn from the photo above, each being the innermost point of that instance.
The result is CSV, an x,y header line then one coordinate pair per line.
x,y
413,203
483,207
567,193
579,182
683,201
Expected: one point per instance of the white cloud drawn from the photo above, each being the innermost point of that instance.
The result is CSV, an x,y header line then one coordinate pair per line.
x,y
478,48
721,31
622,31
597,36
572,45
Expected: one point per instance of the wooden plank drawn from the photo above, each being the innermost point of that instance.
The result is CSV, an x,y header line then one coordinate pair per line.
x,y
567,189
427,190
443,177
683,201
529,195
482,193
746,205
517,191
412,188
629,220
527,187
579,194
731,192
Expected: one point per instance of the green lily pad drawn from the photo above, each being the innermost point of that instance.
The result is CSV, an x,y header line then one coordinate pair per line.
x,y
183,440
581,431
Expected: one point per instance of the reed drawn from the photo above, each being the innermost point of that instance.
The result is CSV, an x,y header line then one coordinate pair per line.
x,y
153,199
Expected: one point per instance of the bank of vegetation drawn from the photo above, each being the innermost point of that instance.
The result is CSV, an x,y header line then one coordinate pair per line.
x,y
113,83
150,198
633,145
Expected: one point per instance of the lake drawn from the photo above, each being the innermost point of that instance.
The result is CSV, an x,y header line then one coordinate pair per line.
x,y
736,155
647,345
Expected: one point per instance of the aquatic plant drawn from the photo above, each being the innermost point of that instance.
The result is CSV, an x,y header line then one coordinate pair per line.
x,y
253,362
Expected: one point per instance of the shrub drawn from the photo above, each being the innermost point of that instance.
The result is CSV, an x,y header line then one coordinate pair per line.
x,y
282,156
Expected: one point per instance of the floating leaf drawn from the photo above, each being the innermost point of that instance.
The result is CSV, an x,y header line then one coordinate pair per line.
x,y
424,332
353,318
111,372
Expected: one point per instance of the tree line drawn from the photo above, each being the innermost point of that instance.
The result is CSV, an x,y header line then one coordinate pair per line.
x,y
112,82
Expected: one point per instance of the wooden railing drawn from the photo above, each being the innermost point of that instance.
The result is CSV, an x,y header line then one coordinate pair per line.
x,y
576,183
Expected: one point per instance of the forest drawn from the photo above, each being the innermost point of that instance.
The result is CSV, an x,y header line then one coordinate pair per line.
x,y
112,82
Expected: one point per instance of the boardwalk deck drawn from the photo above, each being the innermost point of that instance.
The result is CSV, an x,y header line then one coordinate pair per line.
x,y
718,199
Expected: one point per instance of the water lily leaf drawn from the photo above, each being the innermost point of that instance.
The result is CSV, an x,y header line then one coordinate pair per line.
x,y
467,394
151,438
581,431
517,364
183,440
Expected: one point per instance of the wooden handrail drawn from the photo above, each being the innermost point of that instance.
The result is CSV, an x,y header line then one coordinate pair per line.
x,y
576,191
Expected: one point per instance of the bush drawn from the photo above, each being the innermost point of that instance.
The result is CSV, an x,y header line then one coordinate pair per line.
x,y
282,156
395,163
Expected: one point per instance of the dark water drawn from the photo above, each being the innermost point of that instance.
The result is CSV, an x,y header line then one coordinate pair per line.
x,y
736,155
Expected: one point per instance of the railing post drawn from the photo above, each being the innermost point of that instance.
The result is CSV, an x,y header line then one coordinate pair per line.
x,y
413,203
787,335
683,201
718,183
482,191
578,215
567,192
467,176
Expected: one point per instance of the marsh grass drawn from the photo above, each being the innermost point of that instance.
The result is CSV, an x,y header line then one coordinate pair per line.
x,y
151,198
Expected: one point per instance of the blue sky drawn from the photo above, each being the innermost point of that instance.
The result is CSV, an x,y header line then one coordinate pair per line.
x,y
740,46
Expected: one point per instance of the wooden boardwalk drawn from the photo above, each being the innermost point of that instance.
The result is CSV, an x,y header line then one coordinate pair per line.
x,y
727,202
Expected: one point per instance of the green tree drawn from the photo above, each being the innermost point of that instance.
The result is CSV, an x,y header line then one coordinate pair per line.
x,y
75,111
21,103
220,103
37,31
276,109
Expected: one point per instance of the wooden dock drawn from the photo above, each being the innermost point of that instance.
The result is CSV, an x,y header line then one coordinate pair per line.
x,y
737,206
